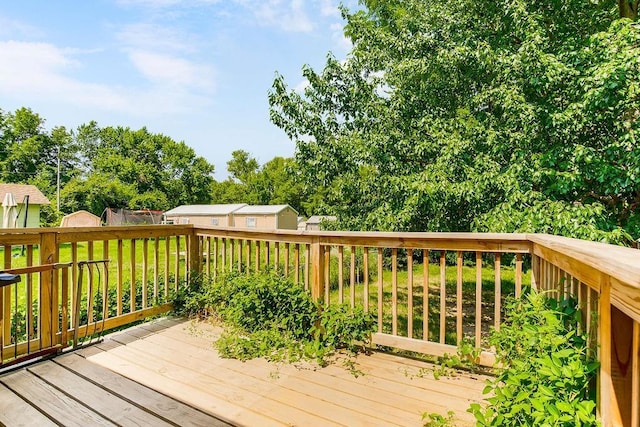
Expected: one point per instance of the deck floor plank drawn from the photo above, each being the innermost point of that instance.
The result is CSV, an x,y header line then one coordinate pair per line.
x,y
99,399
16,412
182,388
250,396
51,401
164,406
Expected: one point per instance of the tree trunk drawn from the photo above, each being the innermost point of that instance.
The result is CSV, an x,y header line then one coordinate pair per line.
x,y
628,9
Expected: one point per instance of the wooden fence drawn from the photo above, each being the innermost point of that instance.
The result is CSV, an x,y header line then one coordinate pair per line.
x,y
429,292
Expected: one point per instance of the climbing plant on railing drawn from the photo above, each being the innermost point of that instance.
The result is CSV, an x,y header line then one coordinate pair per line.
x,y
546,367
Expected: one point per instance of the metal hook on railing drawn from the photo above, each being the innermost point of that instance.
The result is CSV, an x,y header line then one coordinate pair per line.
x,y
76,310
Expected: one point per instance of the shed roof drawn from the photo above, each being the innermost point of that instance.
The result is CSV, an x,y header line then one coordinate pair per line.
x,y
263,209
20,190
317,219
204,210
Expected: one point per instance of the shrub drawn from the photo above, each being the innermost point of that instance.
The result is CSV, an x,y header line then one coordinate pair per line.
x,y
267,315
546,367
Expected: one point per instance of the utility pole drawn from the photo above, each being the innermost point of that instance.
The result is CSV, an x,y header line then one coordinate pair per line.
x,y
58,181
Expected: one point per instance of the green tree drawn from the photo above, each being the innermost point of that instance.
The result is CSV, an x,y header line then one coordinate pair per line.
x,y
451,116
125,168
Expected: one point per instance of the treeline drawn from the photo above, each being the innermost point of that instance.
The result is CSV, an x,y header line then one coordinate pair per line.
x,y
123,168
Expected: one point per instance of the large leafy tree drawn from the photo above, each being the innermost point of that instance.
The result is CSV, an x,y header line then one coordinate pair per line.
x,y
125,168
455,116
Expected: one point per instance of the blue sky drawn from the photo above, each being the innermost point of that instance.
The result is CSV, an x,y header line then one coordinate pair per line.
x,y
195,70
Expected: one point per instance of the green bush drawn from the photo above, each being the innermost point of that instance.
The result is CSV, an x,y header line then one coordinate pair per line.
x,y
546,367
267,315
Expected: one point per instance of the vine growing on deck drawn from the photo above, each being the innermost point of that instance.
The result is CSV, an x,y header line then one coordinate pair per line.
x,y
546,367
267,315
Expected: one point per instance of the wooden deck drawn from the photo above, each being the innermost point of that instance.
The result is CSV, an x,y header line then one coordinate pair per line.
x,y
167,373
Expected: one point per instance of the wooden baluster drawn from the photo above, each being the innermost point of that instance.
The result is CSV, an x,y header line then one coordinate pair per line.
x,y
307,258
296,261
176,283
459,299
258,248
223,267
443,293
352,278
267,254
478,321
132,284
380,291
119,273
216,255
232,249
90,289
365,272
327,273
340,274
145,270
167,254
425,294
518,275
29,297
105,285
498,292
64,326
286,259
240,241
409,293
277,256
207,259
248,255
6,306
394,291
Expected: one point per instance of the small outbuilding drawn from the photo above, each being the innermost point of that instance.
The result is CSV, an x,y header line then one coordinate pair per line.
x,y
27,202
314,223
80,219
266,217
216,215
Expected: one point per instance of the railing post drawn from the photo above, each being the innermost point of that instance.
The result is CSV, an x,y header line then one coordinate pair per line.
x,y
607,399
48,281
195,254
317,269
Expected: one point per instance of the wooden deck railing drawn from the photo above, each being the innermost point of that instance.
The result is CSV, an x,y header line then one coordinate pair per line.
x,y
428,291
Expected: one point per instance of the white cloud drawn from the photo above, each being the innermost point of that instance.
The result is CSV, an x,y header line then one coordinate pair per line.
x,y
160,53
341,42
328,8
16,29
36,71
172,71
155,37
300,87
287,15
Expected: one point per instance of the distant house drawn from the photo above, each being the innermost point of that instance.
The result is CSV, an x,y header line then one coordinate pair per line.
x,y
20,192
266,217
80,219
315,222
216,215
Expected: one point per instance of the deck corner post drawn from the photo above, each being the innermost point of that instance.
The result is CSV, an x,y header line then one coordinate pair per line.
x,y
48,288
317,269
607,402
